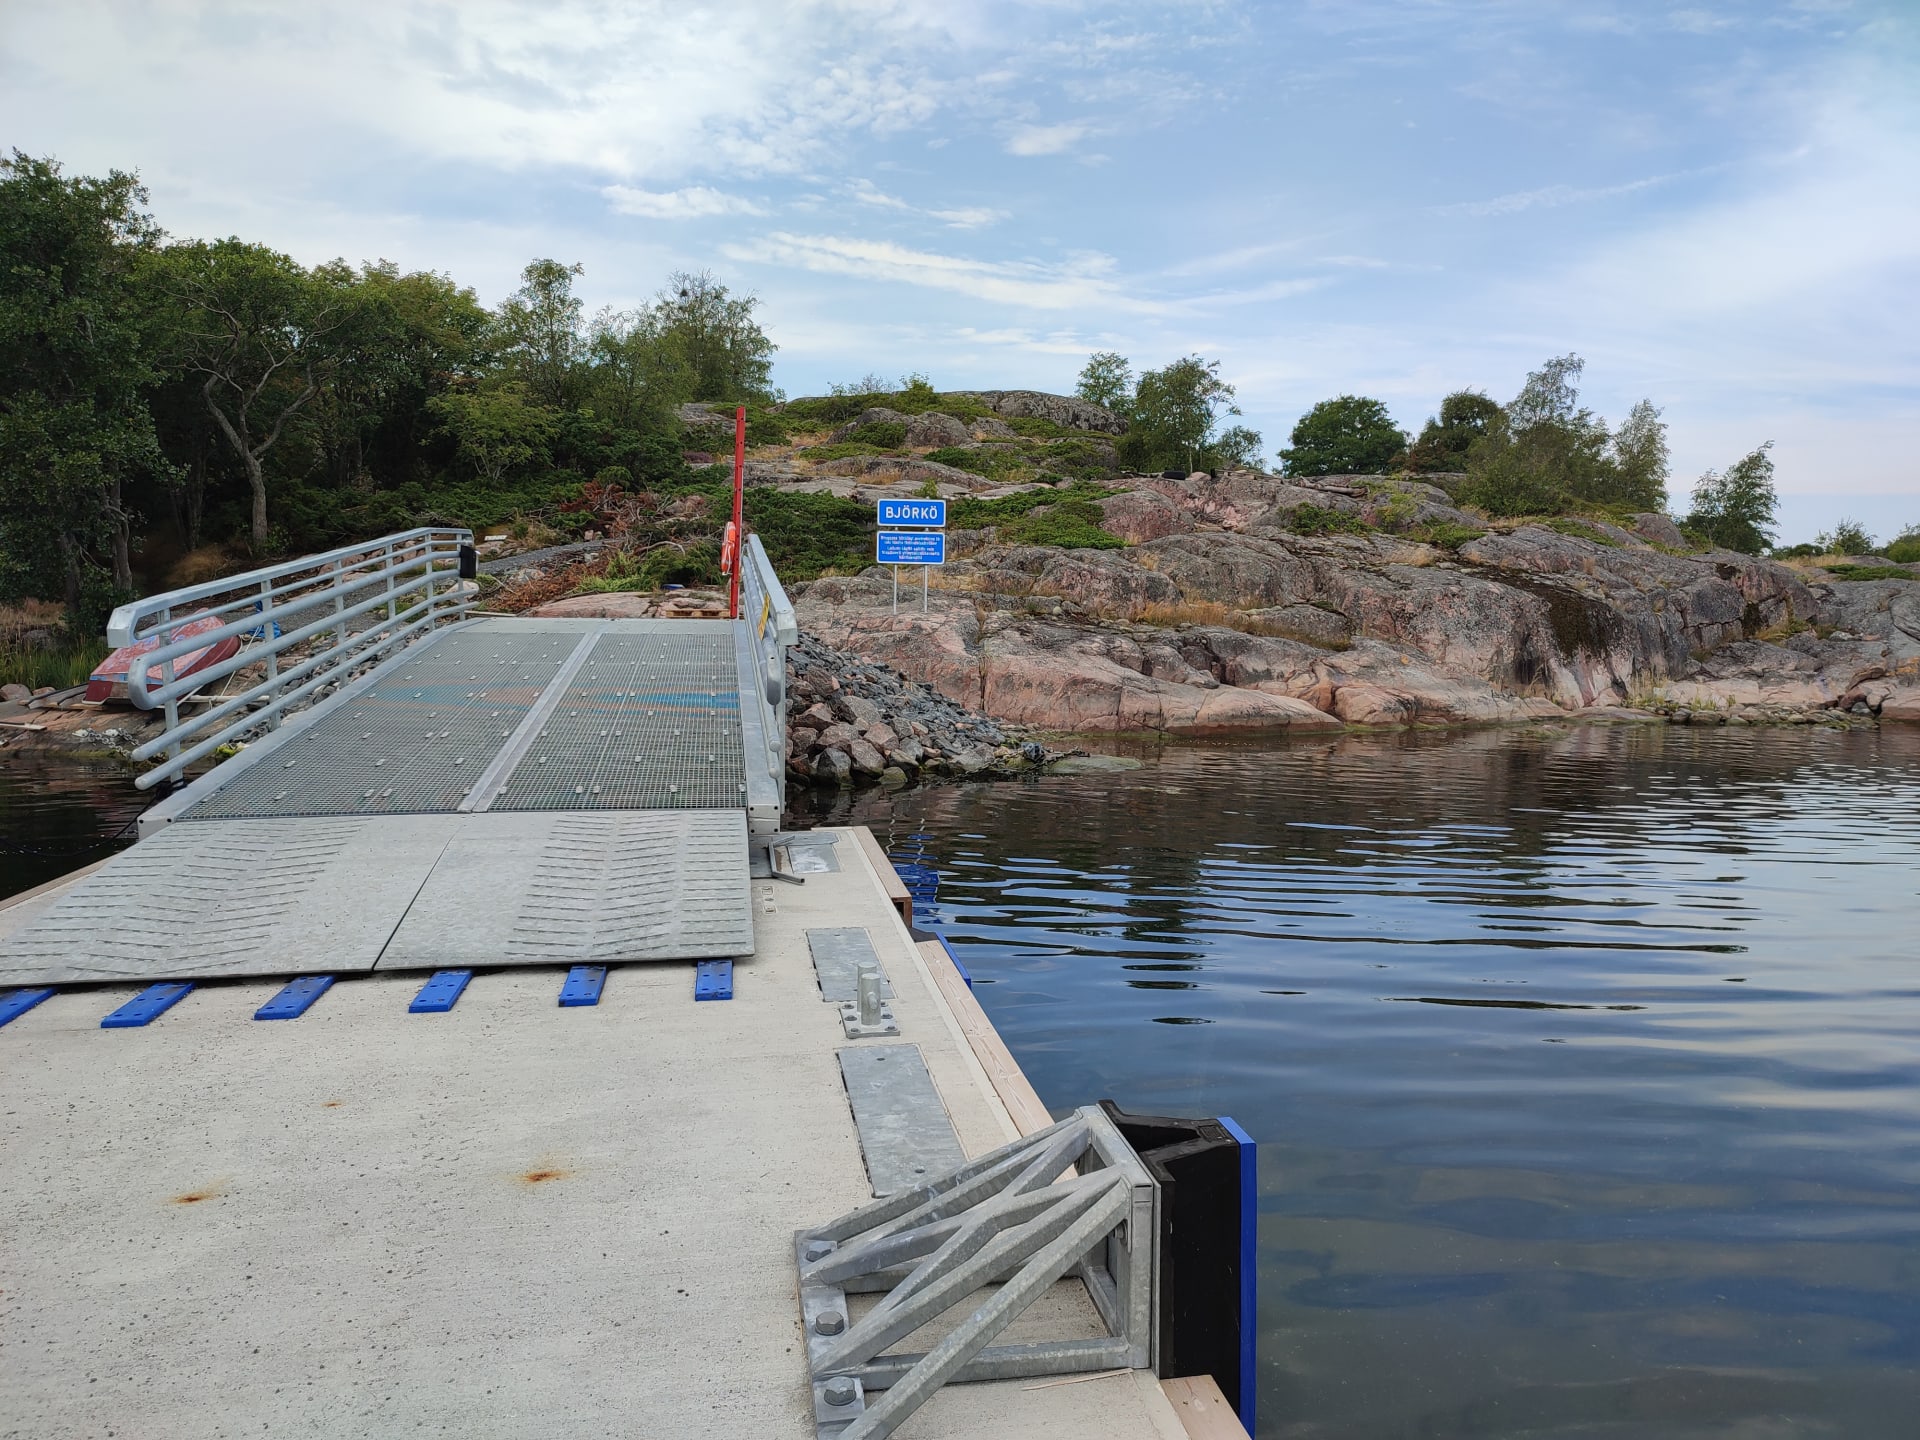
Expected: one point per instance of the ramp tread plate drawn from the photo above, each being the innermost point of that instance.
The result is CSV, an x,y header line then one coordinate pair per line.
x,y
651,722
233,898
582,888
905,1133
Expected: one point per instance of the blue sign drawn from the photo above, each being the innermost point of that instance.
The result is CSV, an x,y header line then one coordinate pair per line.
x,y
913,512
910,547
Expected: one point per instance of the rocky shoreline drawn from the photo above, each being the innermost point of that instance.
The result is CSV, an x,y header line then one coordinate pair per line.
x,y
1225,618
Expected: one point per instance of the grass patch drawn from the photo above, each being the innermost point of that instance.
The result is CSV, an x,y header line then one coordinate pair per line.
x,y
1034,428
1446,534
69,663
1070,518
1870,572
1581,530
843,450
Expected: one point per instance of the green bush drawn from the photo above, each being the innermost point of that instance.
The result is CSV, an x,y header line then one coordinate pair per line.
x,y
883,434
1905,547
1073,523
1035,428
1446,534
996,462
1319,520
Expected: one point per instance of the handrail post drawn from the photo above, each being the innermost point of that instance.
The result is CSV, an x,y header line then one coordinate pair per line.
x,y
172,707
339,608
393,598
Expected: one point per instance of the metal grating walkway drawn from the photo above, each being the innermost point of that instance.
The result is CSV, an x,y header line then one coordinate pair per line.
x,y
650,722
527,715
417,741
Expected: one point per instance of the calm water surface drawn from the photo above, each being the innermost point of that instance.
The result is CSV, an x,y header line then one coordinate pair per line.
x,y
1585,1065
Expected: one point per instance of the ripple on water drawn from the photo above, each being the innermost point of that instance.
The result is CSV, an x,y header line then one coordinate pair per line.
x,y
1585,1068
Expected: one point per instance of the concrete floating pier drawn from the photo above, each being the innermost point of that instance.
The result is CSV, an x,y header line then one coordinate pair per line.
x,y
514,1217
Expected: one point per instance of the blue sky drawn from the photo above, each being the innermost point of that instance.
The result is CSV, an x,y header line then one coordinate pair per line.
x,y
1718,205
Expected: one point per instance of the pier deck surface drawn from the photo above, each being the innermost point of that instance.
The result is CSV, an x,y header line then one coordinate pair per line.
x,y
512,1219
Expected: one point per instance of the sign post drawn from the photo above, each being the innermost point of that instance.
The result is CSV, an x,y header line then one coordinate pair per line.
x,y
925,545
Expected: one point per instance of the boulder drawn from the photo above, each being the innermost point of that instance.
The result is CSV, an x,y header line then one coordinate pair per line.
x,y
819,715
15,694
988,428
867,761
1658,528
1067,411
1137,516
857,711
838,737
1902,705
832,767
935,429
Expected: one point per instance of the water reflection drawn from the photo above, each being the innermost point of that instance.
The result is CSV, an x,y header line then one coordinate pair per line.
x,y
1584,1063
58,812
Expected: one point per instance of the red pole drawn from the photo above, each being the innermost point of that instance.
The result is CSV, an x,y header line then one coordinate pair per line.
x,y
739,525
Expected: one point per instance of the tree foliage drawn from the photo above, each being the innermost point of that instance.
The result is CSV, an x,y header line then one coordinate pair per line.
x,y
1735,510
156,396
1348,435
1448,438
1545,453
1106,380
74,364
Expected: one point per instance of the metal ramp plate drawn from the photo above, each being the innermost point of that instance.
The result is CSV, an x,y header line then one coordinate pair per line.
x,y
234,898
582,888
651,721
418,741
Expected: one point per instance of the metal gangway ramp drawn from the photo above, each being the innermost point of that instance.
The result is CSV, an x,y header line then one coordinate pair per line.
x,y
462,791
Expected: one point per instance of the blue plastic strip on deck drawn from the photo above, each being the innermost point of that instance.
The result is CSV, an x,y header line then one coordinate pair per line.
x,y
713,980
16,1003
584,984
441,993
148,1005
296,997
1249,1273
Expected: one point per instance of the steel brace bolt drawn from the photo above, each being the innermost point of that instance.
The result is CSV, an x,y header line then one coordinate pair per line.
x,y
818,1250
840,1391
829,1322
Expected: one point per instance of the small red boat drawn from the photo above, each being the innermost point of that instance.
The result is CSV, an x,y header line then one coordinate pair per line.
x,y
109,678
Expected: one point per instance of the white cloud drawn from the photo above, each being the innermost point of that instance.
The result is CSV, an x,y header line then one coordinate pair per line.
x,y
1548,197
1081,282
971,218
1044,139
695,202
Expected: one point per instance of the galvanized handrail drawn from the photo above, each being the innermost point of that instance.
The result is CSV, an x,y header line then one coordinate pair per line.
x,y
771,626
394,580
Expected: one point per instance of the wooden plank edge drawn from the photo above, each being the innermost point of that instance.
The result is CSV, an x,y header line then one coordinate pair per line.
x,y
1204,1412
1016,1092
890,881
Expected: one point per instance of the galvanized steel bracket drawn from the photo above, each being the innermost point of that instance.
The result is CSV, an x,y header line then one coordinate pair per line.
x,y
1007,1219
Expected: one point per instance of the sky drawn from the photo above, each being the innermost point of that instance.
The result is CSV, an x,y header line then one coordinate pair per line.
x,y
1716,205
